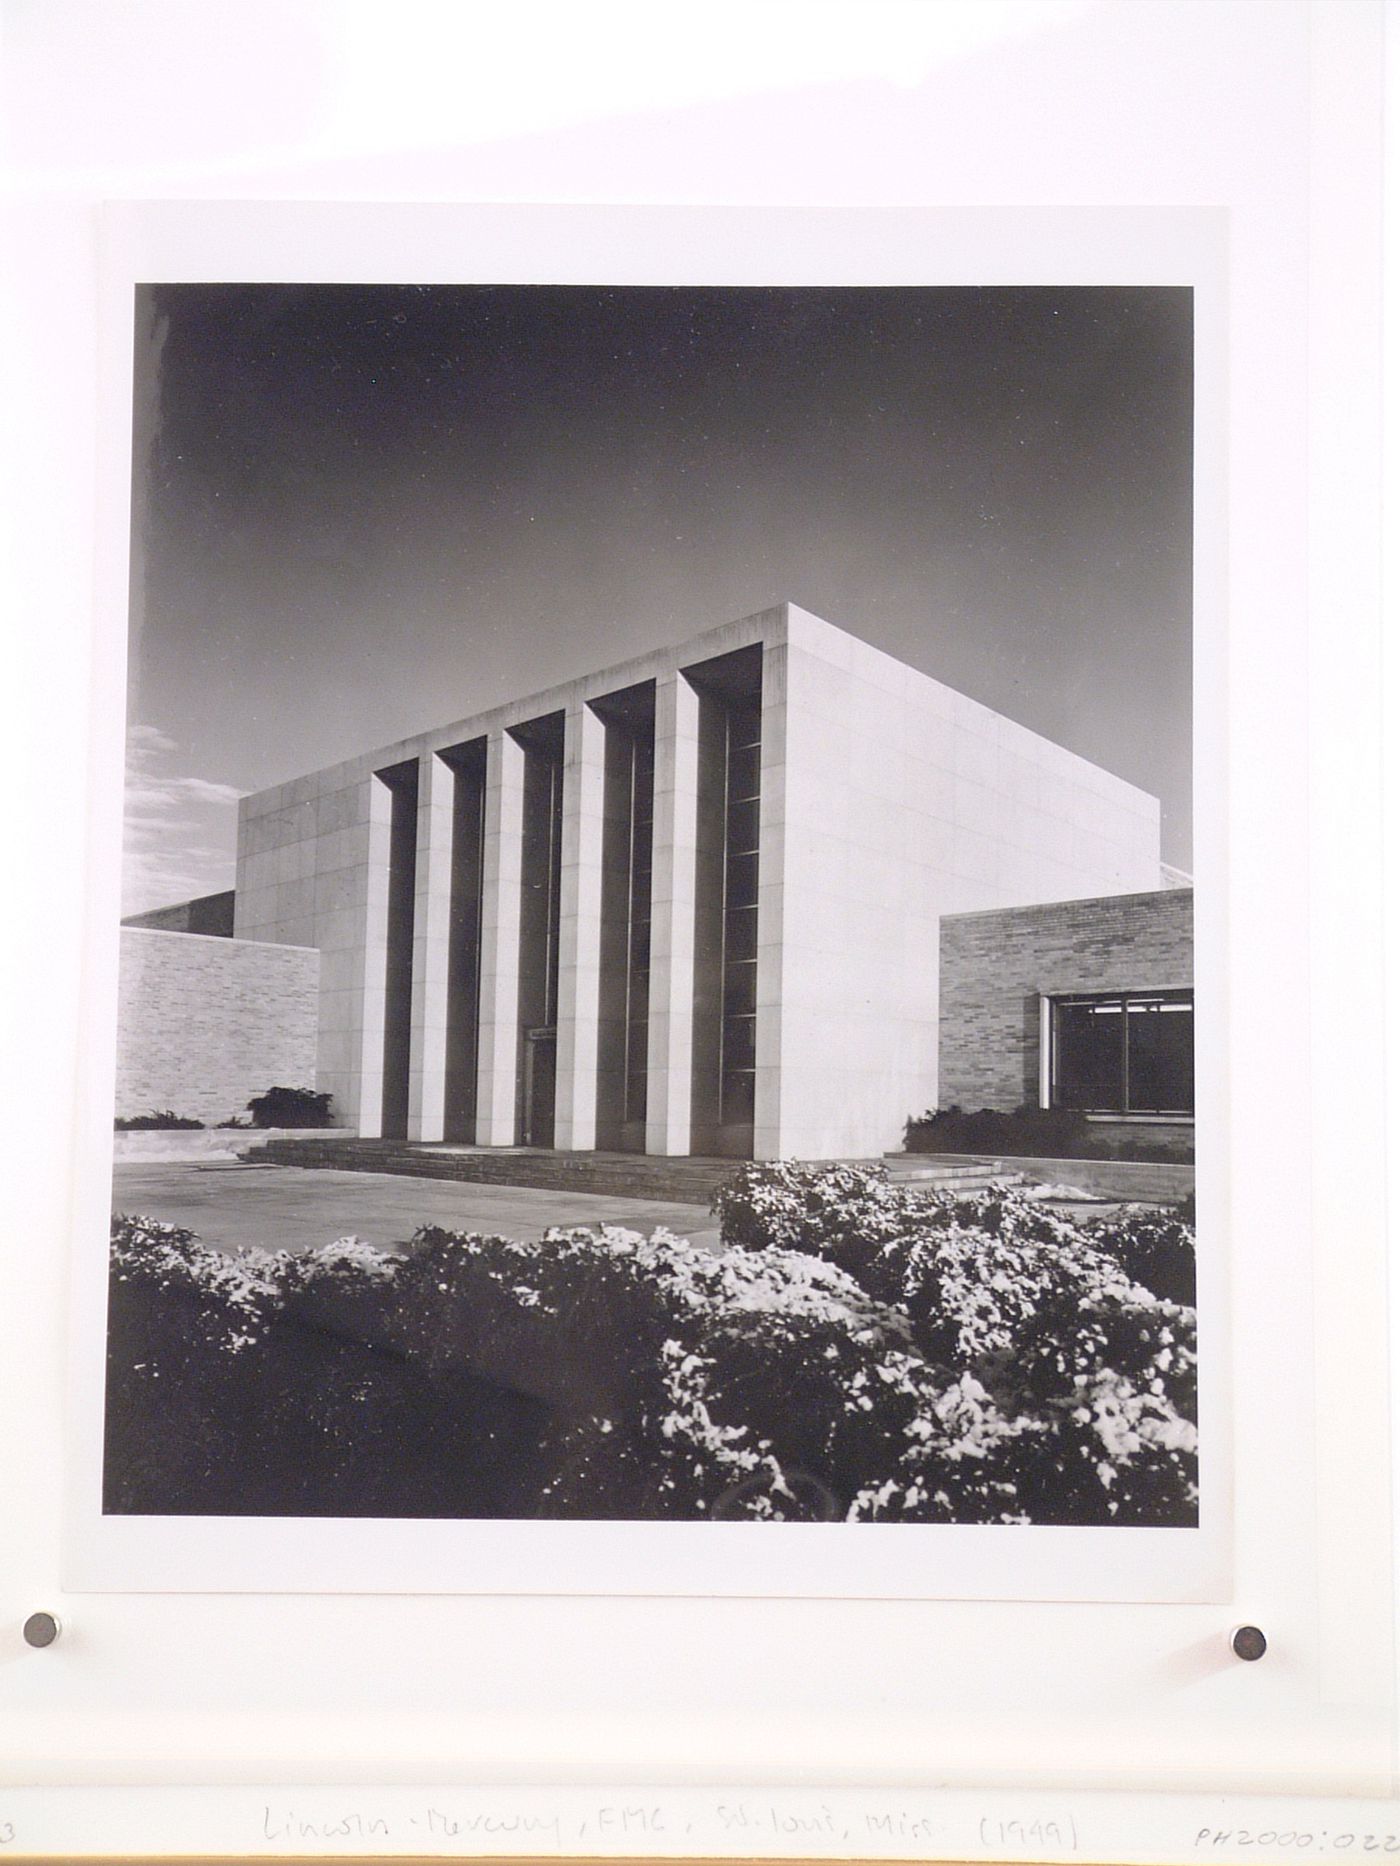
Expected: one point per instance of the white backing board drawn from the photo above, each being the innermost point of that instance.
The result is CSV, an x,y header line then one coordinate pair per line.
x,y
1262,123
652,1823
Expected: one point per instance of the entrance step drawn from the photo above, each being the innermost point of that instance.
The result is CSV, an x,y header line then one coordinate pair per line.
x,y
954,1173
683,1181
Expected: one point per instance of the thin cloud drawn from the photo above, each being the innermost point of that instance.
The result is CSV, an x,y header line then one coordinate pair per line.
x,y
149,738
180,829
201,790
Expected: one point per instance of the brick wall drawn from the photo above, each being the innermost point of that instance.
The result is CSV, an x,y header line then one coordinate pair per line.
x,y
994,968
204,1024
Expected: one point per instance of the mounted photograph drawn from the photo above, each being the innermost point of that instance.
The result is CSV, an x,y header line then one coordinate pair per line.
x,y
656,966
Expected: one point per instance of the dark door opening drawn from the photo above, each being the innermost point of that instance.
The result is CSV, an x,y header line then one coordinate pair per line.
x,y
629,761
541,1049
401,781
724,1056
541,854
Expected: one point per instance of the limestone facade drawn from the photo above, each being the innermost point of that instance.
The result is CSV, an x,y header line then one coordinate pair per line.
x,y
690,904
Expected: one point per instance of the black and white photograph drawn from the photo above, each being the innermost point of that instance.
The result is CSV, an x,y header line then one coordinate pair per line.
x,y
698,1020
656,960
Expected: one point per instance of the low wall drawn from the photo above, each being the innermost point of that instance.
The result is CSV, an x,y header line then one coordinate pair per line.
x,y
1125,1137
211,1143
1158,1183
204,1023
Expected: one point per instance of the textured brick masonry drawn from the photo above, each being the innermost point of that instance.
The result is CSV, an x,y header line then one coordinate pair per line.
x,y
204,1024
995,966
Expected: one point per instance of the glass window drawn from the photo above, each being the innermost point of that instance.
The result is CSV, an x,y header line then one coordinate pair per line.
x,y
1124,1054
637,1034
1089,1054
1161,1056
740,988
741,933
742,880
639,948
739,1042
743,771
736,1096
743,825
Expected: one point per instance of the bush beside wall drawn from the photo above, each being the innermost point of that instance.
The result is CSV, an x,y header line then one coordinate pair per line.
x,y
291,1108
1047,1133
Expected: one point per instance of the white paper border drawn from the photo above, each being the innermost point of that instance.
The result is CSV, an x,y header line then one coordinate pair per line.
x,y
172,242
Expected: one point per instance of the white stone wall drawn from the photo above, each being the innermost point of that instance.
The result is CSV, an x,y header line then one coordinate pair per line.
x,y
304,879
900,801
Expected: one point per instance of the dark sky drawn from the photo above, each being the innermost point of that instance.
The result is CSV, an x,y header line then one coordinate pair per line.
x,y
360,512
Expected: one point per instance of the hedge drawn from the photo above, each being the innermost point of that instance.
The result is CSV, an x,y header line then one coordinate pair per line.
x,y
225,1398
852,1351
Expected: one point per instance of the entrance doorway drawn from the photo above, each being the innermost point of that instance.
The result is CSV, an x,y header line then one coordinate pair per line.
x,y
537,1126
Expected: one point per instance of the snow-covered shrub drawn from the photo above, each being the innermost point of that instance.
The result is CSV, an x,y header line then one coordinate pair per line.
x,y
1081,1432
799,1206
1116,1375
226,1303
847,1213
348,1287
690,1381
1155,1248
1014,1214
349,1262
969,1293
1047,1380
222,1400
742,1392
184,1322
574,1316
983,1360
842,1213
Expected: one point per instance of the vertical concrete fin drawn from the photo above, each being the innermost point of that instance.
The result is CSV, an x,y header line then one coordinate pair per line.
x,y
500,941
768,1115
368,1117
427,1065
672,986
580,931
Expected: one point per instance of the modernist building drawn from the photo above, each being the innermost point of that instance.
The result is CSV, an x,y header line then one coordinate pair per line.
x,y
686,905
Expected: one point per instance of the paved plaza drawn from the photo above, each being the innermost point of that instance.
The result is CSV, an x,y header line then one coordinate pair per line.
x,y
238,1206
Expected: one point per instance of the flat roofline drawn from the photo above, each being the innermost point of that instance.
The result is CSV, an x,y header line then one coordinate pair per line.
x,y
783,622
218,939
1079,900
766,626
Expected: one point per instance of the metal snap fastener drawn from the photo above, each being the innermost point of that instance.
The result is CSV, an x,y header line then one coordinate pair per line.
x,y
42,1629
1247,1642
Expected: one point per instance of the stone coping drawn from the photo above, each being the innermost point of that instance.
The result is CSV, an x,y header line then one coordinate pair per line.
x,y
211,1143
1156,1181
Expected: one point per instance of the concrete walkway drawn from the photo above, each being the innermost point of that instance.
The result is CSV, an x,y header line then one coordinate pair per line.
x,y
290,1208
